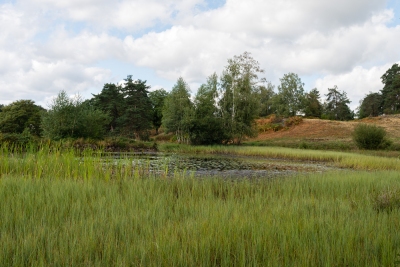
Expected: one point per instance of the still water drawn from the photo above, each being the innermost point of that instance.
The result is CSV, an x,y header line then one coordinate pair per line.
x,y
221,165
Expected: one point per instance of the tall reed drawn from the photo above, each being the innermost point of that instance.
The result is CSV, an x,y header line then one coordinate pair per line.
x,y
340,159
327,220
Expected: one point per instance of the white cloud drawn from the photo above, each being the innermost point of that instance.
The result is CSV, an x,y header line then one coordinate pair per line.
x,y
84,48
357,83
182,51
47,45
131,15
15,26
195,52
44,80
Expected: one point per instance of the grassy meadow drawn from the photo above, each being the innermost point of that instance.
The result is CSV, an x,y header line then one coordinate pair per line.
x,y
63,208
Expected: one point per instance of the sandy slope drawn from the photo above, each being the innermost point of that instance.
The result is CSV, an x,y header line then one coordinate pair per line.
x,y
328,130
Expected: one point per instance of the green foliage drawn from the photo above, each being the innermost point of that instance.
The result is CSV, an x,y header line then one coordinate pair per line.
x,y
239,103
336,105
207,126
371,105
312,105
178,111
369,136
157,99
391,90
265,95
57,210
137,114
290,98
111,102
71,118
18,139
20,116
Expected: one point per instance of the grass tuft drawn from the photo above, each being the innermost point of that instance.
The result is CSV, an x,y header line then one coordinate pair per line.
x,y
387,200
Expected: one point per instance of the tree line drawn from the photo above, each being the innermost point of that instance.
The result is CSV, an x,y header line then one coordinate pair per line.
x,y
223,110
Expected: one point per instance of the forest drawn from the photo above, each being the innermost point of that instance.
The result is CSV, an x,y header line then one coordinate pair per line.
x,y
223,110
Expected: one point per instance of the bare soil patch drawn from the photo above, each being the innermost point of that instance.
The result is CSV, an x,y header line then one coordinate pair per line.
x,y
318,130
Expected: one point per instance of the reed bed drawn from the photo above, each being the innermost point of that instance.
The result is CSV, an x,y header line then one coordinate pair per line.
x,y
328,220
64,208
340,159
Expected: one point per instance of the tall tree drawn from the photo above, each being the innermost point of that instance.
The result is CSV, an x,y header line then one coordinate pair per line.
x,y
336,105
207,126
137,114
290,97
265,95
312,104
371,105
157,99
391,90
178,111
239,103
110,101
21,115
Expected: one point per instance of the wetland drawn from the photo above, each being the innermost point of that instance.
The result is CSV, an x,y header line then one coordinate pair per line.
x,y
227,166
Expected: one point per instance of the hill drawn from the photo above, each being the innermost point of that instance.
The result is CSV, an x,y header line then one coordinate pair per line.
x,y
317,130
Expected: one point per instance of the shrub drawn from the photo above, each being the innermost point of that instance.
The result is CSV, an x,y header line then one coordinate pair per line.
x,y
369,136
296,120
304,145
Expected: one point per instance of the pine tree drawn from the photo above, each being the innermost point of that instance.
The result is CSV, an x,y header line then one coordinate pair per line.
x,y
136,120
336,105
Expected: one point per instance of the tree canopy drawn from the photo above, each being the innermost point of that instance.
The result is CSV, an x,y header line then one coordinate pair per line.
x,y
391,90
136,118
110,100
72,118
371,105
20,116
157,99
239,105
207,123
312,104
336,105
265,95
178,111
223,110
290,97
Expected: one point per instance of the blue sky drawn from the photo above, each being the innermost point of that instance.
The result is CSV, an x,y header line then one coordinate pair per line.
x,y
78,46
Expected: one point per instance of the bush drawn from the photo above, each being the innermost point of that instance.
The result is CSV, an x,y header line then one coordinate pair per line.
x,y
296,120
369,136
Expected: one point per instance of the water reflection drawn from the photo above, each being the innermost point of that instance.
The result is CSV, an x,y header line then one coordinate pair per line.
x,y
220,165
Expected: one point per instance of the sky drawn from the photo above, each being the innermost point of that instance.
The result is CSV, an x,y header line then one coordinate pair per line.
x,y
79,45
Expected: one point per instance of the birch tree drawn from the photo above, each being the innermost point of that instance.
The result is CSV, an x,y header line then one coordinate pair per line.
x,y
239,105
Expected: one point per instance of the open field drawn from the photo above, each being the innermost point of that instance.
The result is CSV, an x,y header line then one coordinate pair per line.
x,y
65,209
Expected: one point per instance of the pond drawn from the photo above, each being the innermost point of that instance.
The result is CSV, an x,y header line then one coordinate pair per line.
x,y
222,165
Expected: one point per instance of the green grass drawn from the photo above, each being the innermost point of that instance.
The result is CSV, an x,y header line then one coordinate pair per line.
x,y
341,159
336,145
67,208
328,220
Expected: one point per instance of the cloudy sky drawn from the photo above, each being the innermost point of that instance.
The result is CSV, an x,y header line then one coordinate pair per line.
x,y
78,45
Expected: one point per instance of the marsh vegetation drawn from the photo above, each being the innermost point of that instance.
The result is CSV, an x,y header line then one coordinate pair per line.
x,y
79,208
